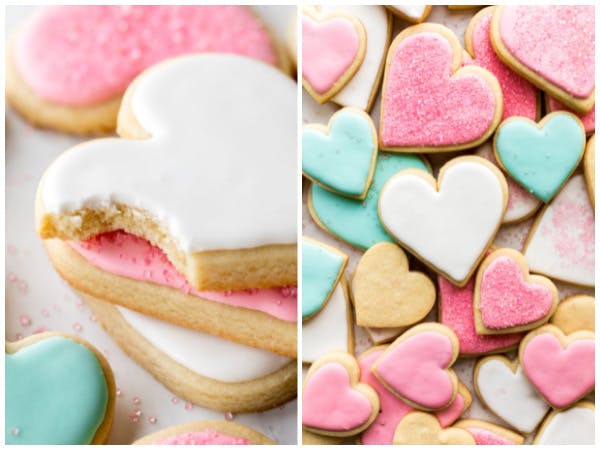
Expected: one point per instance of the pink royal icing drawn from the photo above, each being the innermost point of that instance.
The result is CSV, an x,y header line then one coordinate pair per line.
x,y
556,42
424,105
206,437
328,50
330,403
392,409
485,437
81,55
520,96
416,369
588,119
506,300
456,312
130,256
561,375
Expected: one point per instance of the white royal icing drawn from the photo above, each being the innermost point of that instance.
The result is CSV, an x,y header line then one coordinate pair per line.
x,y
449,228
205,354
563,244
328,330
358,90
220,169
411,11
510,395
574,426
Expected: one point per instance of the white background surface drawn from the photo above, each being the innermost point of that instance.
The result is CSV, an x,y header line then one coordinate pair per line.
x,y
38,300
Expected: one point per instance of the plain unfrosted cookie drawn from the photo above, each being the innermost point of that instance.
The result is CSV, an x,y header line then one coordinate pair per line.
x,y
575,313
419,428
59,390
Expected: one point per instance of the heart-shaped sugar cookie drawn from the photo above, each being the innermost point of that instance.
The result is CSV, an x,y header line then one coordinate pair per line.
x,y
589,168
559,366
419,428
588,119
385,293
574,426
575,313
448,223
334,402
487,433
508,299
341,157
411,13
417,366
431,104
540,157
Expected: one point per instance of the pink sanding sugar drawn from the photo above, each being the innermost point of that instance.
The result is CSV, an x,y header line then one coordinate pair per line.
x,y
206,437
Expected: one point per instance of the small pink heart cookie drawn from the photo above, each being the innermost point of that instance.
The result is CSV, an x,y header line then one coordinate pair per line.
x,y
431,104
551,46
334,402
333,48
417,366
508,299
559,366
521,98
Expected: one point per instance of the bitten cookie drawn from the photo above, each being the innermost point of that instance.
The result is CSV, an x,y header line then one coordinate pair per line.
x,y
59,390
206,432
68,66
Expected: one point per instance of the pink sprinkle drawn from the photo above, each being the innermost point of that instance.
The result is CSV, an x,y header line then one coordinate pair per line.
x,y
174,400
93,318
118,392
77,327
152,420
19,336
137,412
188,406
12,277
228,416
11,249
136,400
41,329
133,418
15,431
23,286
25,320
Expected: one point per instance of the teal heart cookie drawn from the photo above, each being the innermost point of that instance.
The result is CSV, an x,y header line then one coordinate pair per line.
x,y
357,221
341,157
322,268
56,393
540,157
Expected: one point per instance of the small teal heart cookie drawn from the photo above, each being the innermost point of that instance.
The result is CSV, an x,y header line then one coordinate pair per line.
x,y
56,392
322,268
540,157
341,158
357,221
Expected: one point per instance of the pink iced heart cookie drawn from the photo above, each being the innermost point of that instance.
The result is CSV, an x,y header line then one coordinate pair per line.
x,y
334,402
487,433
430,103
507,298
521,98
333,48
551,46
560,367
416,367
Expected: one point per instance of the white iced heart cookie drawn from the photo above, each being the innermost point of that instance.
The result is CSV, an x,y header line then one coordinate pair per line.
x,y
208,162
574,426
411,13
503,387
448,223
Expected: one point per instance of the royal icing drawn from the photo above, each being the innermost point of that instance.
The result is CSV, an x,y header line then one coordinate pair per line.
x,y
416,368
356,221
575,426
567,32
521,204
463,213
360,90
343,157
329,49
56,393
588,119
410,11
130,256
198,351
80,55
507,300
321,270
509,394
424,105
520,96
328,330
206,437
561,244
561,374
541,159
486,437
329,402
190,113
456,312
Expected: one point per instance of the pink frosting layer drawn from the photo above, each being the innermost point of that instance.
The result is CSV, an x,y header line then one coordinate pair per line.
x,y
130,256
520,96
485,437
206,437
423,105
81,55
556,42
588,119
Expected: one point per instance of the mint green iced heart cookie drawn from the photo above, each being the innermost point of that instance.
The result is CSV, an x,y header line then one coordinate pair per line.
x,y
540,157
341,158
56,393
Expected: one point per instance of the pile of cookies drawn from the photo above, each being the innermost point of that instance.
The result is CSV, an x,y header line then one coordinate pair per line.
x,y
498,238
